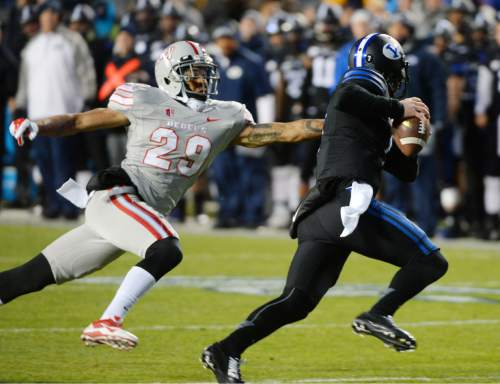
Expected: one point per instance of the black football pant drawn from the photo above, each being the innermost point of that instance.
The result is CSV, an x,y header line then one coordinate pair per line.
x,y
383,233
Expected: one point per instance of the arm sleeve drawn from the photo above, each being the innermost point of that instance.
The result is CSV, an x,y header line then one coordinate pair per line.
x,y
403,167
356,100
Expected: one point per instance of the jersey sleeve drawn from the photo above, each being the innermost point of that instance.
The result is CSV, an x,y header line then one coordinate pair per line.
x,y
123,99
356,100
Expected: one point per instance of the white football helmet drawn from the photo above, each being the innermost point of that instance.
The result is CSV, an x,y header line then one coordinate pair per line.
x,y
180,64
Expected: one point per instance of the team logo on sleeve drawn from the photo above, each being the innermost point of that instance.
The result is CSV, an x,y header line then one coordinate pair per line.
x,y
391,51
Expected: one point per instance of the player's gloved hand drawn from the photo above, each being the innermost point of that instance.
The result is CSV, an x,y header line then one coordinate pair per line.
x,y
414,107
21,128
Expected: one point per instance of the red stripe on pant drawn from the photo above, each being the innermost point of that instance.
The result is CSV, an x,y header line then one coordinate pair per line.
x,y
150,214
117,204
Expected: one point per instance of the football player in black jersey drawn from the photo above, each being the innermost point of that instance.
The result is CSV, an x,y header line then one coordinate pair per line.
x,y
340,214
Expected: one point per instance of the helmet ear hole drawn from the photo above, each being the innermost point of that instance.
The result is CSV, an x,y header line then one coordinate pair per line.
x,y
167,81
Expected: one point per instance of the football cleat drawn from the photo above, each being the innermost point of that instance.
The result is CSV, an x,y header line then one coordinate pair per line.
x,y
109,332
383,328
225,368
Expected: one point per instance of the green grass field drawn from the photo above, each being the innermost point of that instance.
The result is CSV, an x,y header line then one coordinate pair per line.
x,y
457,324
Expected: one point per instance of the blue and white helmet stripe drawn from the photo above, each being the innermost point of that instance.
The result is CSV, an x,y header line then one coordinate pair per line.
x,y
360,55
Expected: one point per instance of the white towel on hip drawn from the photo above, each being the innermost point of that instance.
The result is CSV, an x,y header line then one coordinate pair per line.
x,y
361,197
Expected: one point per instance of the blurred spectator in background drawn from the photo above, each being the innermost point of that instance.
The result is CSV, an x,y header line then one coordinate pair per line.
x,y
287,63
488,118
453,59
8,74
304,46
361,24
241,175
173,27
427,80
378,9
321,54
57,76
251,33
104,21
471,166
93,146
144,20
427,14
191,14
460,48
22,23
124,66
27,28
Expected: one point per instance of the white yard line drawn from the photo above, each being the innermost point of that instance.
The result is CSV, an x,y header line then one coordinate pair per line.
x,y
361,380
196,327
274,285
457,379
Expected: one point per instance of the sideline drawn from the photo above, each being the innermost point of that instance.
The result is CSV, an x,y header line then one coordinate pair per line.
x,y
25,217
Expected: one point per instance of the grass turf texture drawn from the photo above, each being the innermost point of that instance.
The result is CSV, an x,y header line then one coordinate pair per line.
x,y
39,333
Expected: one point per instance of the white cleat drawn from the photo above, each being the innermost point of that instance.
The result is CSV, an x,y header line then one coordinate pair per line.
x,y
109,332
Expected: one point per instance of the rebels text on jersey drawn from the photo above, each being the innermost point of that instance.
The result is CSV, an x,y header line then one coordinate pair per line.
x,y
170,144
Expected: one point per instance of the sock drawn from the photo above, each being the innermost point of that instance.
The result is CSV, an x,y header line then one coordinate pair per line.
x,y
135,284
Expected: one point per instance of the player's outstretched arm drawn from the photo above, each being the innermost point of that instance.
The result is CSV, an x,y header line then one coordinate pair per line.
x,y
257,135
63,125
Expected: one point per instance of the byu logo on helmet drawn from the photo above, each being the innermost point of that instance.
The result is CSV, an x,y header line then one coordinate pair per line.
x,y
391,51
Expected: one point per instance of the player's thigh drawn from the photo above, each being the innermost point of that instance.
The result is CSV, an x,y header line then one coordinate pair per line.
x,y
127,222
316,267
386,234
78,253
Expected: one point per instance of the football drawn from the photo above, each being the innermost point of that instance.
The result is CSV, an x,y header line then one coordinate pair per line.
x,y
411,135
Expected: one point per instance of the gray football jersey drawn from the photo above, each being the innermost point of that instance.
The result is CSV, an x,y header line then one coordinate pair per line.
x,y
170,144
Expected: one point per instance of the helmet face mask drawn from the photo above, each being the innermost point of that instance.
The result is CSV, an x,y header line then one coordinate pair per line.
x,y
185,70
383,54
200,80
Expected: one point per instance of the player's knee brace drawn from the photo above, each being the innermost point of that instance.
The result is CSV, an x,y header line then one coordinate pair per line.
x,y
161,257
29,277
296,304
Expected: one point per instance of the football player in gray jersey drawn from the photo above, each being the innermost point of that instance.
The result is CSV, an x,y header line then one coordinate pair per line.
x,y
173,134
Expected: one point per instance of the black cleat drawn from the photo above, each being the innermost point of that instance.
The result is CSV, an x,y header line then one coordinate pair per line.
x,y
225,368
383,328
